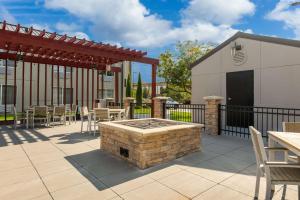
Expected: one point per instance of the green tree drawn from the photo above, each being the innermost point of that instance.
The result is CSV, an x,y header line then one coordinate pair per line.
x,y
174,67
139,95
128,86
145,93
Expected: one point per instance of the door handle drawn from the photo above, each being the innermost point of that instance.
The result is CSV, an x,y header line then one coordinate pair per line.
x,y
229,99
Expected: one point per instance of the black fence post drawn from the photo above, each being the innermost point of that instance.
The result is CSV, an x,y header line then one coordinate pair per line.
x,y
131,112
219,119
164,111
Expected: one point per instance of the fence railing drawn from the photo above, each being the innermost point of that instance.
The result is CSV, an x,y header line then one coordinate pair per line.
x,y
235,120
185,112
140,111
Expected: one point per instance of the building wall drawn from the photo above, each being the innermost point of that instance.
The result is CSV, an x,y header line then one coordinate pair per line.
x,y
276,73
109,83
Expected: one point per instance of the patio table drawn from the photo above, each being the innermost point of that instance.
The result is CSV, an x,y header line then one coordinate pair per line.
x,y
117,111
289,140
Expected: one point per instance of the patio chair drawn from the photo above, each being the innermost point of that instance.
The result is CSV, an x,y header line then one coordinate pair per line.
x,y
71,113
85,114
100,115
18,116
59,112
40,113
277,173
292,127
126,114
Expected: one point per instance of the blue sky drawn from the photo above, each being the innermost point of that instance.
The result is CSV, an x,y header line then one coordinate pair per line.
x,y
156,25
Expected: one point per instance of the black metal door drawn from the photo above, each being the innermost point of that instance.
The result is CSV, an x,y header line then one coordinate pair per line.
x,y
240,98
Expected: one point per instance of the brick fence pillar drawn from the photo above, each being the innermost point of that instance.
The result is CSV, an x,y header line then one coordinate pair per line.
x,y
212,114
158,106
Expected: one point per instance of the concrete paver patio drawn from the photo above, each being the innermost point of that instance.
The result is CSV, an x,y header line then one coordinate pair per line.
x,y
61,163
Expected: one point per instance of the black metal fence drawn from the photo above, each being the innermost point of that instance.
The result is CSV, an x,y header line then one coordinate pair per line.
x,y
185,112
140,111
235,120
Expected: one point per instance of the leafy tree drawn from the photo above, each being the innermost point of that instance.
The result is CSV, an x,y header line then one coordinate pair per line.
x,y
128,86
139,95
175,68
145,93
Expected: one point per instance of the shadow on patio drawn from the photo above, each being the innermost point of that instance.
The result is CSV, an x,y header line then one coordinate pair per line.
x,y
220,160
10,136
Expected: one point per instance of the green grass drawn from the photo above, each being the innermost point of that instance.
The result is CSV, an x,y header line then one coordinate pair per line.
x,y
181,116
142,111
8,117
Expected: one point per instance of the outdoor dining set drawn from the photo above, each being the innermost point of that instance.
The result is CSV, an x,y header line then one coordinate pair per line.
x,y
278,170
60,114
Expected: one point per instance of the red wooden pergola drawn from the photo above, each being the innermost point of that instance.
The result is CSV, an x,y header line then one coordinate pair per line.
x,y
39,46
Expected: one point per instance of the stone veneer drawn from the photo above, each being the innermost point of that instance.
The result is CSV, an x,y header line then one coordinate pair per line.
x,y
148,147
212,114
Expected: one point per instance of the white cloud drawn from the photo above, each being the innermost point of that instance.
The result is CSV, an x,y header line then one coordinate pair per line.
x,y
40,26
6,15
131,23
287,14
71,30
218,11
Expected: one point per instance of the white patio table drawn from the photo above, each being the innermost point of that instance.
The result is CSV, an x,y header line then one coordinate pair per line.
x,y
117,111
289,140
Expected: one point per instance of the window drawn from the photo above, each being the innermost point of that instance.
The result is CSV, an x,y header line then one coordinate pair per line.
x,y
106,94
69,92
10,94
10,66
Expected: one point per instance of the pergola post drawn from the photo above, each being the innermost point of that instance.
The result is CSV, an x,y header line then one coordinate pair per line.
x,y
116,87
154,67
153,93
38,85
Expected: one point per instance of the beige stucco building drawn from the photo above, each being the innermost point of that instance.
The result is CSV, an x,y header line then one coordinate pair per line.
x,y
250,70
51,83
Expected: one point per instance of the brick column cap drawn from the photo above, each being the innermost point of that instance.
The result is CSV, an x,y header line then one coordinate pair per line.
x,y
213,98
161,98
109,99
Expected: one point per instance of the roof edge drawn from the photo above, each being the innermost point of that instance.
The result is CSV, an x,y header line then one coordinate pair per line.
x,y
262,38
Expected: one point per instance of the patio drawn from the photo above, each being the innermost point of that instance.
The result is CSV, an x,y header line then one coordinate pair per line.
x,y
60,163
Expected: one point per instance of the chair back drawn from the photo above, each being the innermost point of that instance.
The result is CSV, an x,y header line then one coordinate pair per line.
x,y
40,111
102,114
74,108
127,110
15,111
59,111
291,127
68,106
84,111
258,146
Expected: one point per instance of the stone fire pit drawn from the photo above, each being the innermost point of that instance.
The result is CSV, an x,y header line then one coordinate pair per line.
x,y
147,142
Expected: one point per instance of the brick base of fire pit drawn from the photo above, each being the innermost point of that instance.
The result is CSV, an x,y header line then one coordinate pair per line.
x,y
147,142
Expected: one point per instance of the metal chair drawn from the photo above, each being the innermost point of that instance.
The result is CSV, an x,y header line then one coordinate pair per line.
x,y
71,113
277,173
84,113
126,114
100,115
292,127
18,116
59,112
40,113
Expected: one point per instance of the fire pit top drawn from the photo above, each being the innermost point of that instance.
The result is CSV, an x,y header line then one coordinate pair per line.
x,y
149,125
